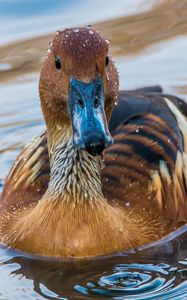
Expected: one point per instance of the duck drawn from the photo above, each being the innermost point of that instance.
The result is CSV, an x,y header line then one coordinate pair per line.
x,y
109,173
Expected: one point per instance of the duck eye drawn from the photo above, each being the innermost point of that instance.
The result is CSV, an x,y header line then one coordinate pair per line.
x,y
107,61
58,62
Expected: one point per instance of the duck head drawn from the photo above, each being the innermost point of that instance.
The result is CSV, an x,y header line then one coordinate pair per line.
x,y
78,87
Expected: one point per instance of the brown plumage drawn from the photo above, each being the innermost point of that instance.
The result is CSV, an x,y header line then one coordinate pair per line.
x,y
62,201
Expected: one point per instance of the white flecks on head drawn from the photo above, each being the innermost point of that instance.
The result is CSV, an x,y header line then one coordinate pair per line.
x,y
50,47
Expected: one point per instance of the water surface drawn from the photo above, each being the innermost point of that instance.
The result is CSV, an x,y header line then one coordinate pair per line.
x,y
148,44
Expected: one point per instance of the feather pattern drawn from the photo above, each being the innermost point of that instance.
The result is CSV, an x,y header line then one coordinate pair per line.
x,y
148,149
80,205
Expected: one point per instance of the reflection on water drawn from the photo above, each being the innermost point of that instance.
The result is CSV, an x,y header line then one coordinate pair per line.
x,y
137,281
133,276
148,42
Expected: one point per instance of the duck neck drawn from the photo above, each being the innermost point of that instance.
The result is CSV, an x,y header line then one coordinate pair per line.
x,y
74,174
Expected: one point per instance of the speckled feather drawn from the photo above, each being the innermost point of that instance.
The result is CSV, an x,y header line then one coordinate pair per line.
x,y
80,205
131,164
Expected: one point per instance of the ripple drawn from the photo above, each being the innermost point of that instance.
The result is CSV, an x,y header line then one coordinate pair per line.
x,y
112,278
136,281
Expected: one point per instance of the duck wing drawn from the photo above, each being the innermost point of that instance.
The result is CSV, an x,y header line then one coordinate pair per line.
x,y
147,164
28,178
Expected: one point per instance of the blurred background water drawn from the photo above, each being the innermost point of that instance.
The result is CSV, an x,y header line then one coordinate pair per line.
x,y
149,46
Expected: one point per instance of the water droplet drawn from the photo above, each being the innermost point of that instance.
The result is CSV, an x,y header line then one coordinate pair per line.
x,y
58,127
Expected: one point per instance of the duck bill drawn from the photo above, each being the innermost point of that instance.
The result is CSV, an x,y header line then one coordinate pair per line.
x,y
86,110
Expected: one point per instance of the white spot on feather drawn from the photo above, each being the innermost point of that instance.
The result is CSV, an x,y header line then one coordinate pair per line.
x,y
157,184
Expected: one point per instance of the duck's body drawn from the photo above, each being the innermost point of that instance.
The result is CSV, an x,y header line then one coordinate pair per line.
x,y
70,203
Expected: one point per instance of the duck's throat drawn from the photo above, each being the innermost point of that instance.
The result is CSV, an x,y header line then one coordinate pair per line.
x,y
74,173
72,218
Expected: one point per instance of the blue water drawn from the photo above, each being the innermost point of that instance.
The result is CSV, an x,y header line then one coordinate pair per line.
x,y
160,270
149,274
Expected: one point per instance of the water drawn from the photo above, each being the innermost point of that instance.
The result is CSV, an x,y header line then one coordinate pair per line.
x,y
148,43
155,273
